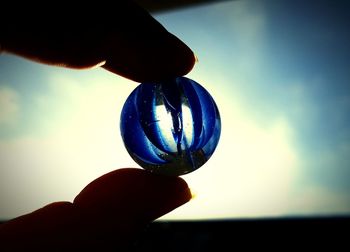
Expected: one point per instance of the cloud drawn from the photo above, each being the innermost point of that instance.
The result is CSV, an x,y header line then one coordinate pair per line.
x,y
9,106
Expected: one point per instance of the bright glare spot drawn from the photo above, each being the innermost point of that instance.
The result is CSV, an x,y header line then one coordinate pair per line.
x,y
187,119
165,125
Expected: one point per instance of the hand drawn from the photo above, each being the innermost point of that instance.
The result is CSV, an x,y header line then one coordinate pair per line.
x,y
112,209
107,214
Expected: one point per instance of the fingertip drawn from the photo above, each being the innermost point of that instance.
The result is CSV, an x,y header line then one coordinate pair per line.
x,y
150,59
134,193
180,59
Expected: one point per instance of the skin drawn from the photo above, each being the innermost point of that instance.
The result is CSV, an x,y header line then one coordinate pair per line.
x,y
110,211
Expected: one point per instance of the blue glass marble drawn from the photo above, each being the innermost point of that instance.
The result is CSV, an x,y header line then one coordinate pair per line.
x,y
170,128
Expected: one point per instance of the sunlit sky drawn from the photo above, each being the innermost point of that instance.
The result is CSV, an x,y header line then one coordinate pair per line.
x,y
279,72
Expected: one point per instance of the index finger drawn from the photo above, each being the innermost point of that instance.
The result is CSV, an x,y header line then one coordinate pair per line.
x,y
130,43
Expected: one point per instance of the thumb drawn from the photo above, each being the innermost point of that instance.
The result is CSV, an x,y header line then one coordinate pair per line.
x,y
106,214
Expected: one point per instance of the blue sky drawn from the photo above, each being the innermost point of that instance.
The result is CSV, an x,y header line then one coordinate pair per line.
x,y
279,72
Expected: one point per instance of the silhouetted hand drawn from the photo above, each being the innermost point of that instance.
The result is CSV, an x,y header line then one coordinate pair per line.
x,y
107,214
112,209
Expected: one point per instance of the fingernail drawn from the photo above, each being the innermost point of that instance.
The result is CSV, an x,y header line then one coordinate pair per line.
x,y
196,58
100,64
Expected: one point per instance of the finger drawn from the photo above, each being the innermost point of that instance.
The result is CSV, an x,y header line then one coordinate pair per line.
x,y
154,58
128,199
135,194
107,212
130,42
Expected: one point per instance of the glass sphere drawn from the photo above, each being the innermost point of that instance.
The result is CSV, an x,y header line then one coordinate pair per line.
x,y
172,127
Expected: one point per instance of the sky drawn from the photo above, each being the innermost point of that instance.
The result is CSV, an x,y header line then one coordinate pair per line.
x,y
279,72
